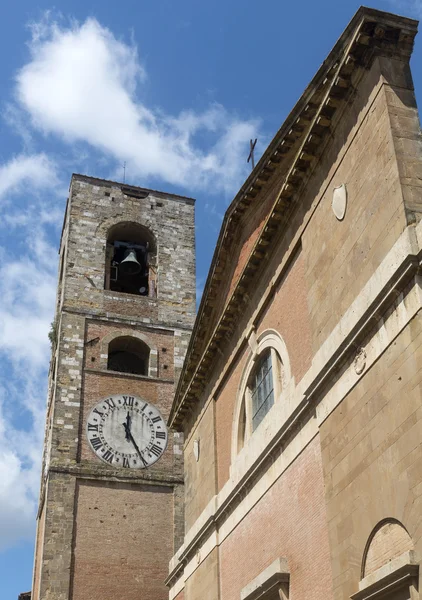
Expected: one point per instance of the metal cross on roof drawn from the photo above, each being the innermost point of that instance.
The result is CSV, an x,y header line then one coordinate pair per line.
x,y
251,156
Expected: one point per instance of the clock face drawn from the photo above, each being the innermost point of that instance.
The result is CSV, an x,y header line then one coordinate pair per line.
x,y
126,431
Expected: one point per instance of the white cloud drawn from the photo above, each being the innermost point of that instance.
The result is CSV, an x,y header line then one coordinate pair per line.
x,y
81,84
20,453
33,171
409,8
27,289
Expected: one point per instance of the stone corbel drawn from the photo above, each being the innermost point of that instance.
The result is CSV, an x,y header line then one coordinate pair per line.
x,y
273,579
399,574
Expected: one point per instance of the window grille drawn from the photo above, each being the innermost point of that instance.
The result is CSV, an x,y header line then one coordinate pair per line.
x,y
262,390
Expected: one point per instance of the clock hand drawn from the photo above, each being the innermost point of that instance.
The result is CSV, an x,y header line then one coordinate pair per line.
x,y
137,449
129,438
127,427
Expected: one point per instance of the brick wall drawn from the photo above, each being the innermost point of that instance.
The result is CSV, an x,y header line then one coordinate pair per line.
x,y
389,542
287,313
122,546
289,521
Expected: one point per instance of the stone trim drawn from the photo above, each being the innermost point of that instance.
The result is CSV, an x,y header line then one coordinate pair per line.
x,y
274,576
402,572
100,473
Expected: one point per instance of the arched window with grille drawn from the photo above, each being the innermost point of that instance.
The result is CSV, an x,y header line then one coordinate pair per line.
x,y
262,383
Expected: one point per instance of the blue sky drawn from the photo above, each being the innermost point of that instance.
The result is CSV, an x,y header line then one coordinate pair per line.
x,y
175,90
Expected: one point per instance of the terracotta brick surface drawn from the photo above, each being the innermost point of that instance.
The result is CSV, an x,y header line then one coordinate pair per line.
x,y
163,342
122,546
289,521
288,315
225,406
389,542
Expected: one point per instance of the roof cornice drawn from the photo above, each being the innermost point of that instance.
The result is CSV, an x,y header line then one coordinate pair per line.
x,y
297,145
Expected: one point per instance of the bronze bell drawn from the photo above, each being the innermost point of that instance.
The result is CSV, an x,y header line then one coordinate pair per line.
x,y
130,264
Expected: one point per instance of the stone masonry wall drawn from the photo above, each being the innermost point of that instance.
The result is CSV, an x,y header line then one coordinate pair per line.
x,y
372,457
87,317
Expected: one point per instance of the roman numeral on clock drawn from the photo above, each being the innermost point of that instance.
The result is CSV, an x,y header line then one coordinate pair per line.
x,y
110,403
160,435
108,456
126,462
155,450
128,401
92,427
156,419
96,443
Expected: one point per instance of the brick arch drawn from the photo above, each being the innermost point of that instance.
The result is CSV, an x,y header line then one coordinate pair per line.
x,y
107,225
153,352
388,540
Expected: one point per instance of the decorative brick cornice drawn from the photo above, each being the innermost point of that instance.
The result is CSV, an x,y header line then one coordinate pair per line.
x,y
296,148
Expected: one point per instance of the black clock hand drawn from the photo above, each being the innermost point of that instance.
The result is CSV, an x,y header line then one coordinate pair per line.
x,y
129,437
137,449
127,427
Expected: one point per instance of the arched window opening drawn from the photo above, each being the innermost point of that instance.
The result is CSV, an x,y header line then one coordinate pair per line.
x,y
128,355
131,260
390,566
265,380
261,388
242,428
387,541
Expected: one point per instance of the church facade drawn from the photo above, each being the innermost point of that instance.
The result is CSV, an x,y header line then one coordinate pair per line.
x,y
300,399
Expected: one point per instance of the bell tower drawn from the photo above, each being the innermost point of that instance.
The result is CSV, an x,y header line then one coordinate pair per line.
x,y
111,504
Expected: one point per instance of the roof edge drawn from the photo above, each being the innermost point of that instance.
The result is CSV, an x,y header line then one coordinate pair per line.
x,y
255,181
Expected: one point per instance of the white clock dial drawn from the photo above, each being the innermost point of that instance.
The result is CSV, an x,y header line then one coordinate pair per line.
x,y
126,431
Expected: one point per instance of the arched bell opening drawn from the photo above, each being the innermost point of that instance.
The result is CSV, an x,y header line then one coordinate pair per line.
x,y
128,355
131,260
